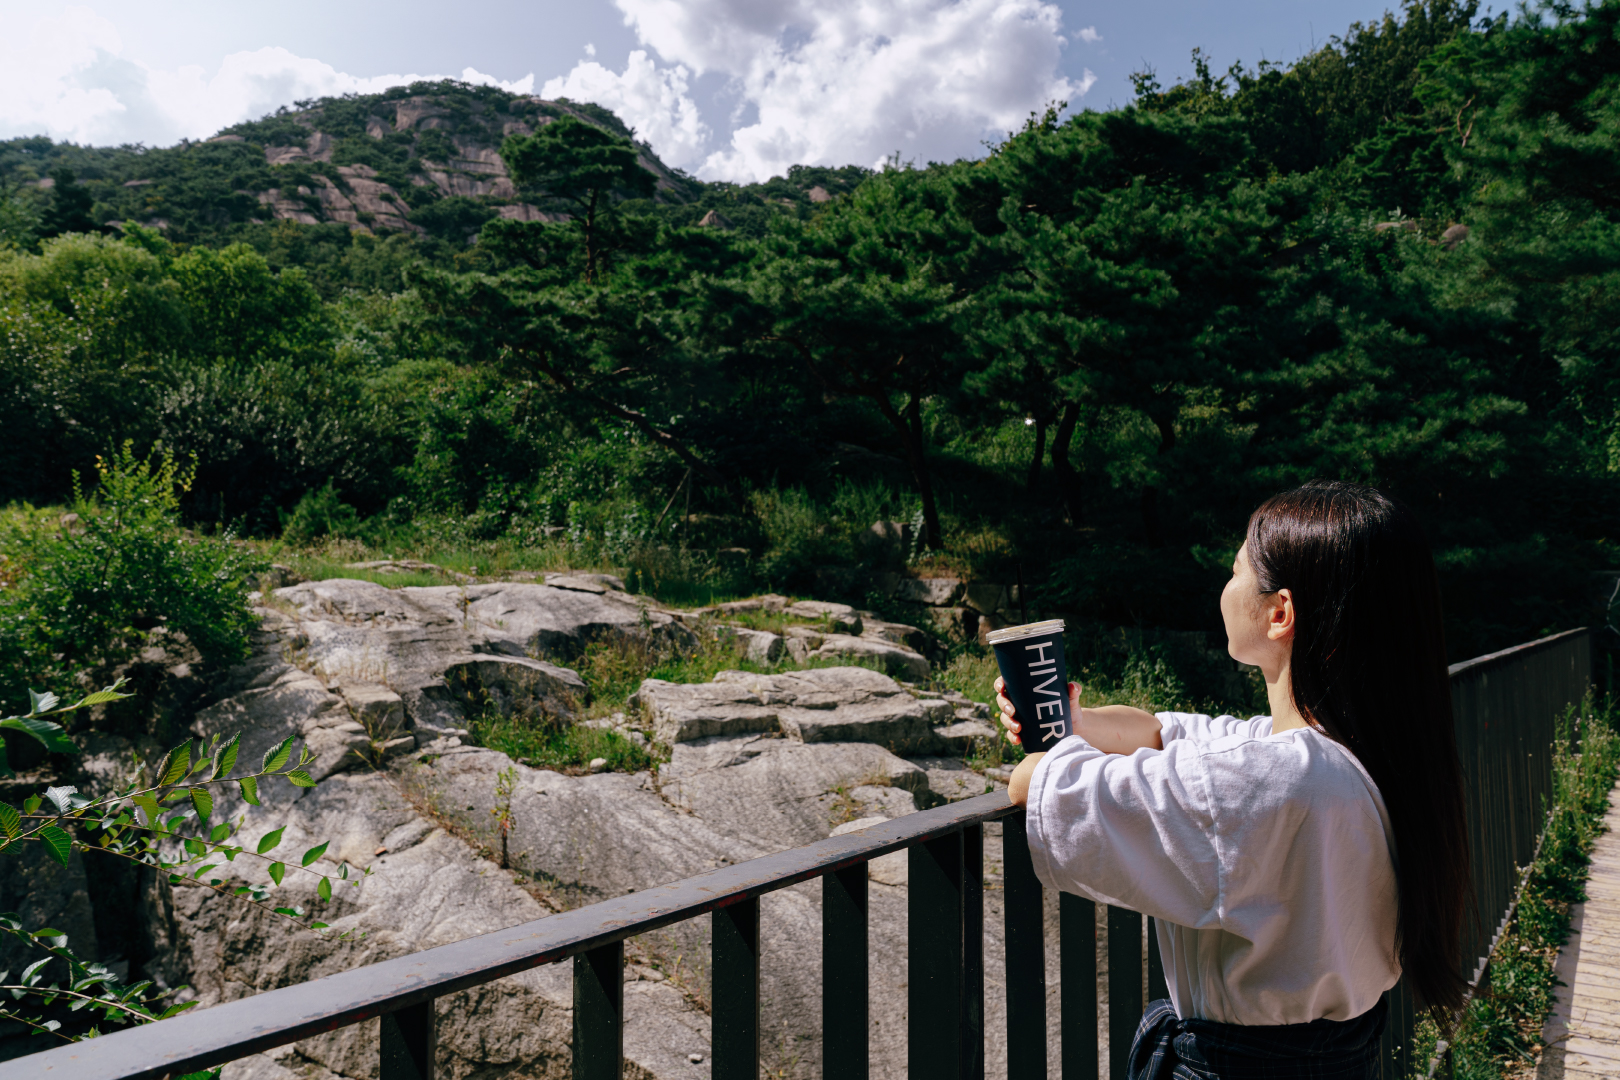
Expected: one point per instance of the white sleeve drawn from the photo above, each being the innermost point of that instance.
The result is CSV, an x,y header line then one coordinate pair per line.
x,y
1201,728
1134,830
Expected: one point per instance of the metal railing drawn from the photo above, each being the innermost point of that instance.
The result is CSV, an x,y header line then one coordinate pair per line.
x,y
1507,706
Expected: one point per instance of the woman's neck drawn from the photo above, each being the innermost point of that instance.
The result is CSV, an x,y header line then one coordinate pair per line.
x,y
1280,693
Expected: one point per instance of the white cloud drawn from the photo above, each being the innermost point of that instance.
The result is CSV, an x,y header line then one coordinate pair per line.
x,y
590,50
811,81
651,99
840,81
65,77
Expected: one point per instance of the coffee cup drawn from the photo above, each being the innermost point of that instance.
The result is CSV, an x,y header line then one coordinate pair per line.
x,y
1037,681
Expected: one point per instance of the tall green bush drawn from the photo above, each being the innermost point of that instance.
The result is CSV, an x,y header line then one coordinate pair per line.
x,y
86,591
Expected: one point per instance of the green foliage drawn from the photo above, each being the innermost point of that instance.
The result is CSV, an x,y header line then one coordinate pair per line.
x,y
456,218
564,749
1502,1029
582,165
321,512
161,819
87,591
1083,358
69,209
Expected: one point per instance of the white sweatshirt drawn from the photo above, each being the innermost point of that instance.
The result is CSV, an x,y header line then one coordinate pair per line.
x,y
1266,859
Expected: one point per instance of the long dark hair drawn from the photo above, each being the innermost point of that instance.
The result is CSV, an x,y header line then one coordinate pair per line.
x,y
1369,669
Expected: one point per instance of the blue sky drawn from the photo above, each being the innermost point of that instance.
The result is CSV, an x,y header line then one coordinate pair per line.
x,y
729,89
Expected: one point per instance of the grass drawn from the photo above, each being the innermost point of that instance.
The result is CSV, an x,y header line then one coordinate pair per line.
x,y
563,749
672,576
1500,1035
614,667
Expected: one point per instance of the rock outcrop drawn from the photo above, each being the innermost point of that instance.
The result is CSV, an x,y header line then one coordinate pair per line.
x,y
380,683
818,705
445,649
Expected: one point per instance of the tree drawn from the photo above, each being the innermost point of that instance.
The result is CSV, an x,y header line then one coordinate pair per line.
x,y
584,166
69,209
627,345
1134,258
870,297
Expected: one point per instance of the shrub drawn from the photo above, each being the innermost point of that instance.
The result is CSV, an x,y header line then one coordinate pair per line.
x,y
321,512
88,592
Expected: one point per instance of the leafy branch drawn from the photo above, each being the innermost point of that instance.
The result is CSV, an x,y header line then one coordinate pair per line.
x,y
165,821
91,988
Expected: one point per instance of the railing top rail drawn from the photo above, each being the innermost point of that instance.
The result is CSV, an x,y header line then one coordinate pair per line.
x,y
1516,652
205,1038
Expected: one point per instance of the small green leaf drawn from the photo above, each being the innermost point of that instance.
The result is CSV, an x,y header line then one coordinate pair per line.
x,y
250,789
31,972
276,756
40,703
57,842
324,889
195,846
31,804
149,806
61,798
271,839
219,832
175,1010
301,778
203,802
101,697
10,820
201,870
225,757
315,852
52,735
276,871
175,764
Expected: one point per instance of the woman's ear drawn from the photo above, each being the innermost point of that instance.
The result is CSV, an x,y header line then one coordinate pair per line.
x,y
1280,616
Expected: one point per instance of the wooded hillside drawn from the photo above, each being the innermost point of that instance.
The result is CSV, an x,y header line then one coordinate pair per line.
x,y
427,317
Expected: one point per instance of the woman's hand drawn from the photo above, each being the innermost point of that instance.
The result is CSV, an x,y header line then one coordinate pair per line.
x,y
1113,729
1009,715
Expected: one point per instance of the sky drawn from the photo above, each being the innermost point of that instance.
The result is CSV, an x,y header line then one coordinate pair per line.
x,y
726,89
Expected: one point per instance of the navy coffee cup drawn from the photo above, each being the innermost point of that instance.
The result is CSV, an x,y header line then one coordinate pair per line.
x,y
1031,661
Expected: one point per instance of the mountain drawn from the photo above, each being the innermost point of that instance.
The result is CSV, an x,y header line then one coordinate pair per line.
x,y
420,162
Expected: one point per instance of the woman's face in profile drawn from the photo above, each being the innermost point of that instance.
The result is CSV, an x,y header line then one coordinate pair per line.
x,y
1245,613
1259,625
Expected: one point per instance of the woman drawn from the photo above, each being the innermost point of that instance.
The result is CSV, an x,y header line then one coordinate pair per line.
x,y
1297,863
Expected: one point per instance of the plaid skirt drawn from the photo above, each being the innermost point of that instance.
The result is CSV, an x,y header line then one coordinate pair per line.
x,y
1169,1048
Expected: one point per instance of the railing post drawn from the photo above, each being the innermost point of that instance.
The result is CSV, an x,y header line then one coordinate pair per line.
x,y
735,1027
934,959
845,976
1077,936
1157,986
1124,986
406,1043
973,952
1026,956
599,1013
